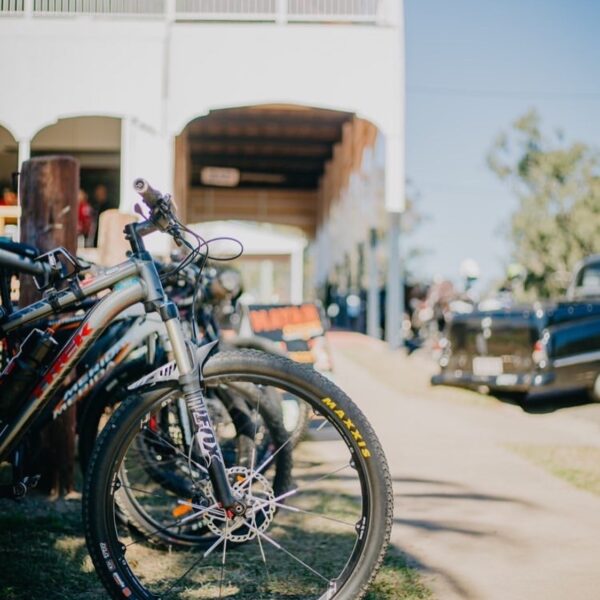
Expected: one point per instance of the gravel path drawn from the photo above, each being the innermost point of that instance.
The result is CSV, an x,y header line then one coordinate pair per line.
x,y
479,520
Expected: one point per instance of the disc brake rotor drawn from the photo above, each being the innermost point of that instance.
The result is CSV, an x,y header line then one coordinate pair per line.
x,y
255,491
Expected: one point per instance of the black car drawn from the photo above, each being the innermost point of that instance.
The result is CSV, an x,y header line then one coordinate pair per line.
x,y
530,349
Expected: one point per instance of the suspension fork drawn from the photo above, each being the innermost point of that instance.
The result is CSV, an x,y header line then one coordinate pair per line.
x,y
203,431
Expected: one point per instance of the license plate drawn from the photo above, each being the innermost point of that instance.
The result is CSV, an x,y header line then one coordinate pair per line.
x,y
487,366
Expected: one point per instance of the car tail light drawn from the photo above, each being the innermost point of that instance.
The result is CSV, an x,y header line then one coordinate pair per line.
x,y
540,355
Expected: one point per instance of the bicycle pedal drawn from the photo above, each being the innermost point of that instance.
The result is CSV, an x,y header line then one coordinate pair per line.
x,y
31,481
19,489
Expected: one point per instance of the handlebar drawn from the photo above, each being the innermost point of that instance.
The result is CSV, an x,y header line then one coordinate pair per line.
x,y
21,264
149,195
162,210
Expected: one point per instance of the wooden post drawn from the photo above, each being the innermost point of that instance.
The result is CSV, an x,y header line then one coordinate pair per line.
x,y
48,190
182,178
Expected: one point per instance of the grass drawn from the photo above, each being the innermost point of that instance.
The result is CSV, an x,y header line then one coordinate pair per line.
x,y
578,465
43,556
398,581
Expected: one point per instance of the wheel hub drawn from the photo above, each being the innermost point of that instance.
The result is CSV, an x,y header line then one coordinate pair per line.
x,y
252,514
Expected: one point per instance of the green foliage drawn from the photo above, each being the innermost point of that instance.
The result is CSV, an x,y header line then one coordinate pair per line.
x,y
558,186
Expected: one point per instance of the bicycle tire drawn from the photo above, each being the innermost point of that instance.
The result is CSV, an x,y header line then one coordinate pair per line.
x,y
372,530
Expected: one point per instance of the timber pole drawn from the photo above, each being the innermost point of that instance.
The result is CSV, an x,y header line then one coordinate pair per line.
x,y
49,187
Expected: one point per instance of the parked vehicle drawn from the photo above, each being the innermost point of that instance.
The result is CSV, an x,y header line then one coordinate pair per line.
x,y
530,350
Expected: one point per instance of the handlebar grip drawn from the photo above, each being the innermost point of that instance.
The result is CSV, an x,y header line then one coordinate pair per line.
x,y
22,264
149,195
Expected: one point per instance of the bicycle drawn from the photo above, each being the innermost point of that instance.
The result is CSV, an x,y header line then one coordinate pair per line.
x,y
233,506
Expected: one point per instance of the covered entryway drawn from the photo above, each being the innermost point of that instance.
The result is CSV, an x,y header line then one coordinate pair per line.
x,y
8,158
277,155
319,170
9,211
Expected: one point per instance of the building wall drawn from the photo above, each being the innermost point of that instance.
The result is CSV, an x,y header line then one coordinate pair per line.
x,y
157,75
351,68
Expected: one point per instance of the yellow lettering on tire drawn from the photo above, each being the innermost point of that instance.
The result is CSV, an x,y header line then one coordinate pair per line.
x,y
350,426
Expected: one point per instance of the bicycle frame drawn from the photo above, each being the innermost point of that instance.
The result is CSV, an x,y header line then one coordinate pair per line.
x,y
134,339
91,327
140,283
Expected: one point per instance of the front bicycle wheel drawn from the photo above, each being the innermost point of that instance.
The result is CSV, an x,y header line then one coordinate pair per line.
x,y
323,538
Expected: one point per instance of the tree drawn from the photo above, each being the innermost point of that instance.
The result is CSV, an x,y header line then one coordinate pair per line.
x,y
557,222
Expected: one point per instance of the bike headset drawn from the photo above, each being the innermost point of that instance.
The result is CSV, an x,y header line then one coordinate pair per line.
x,y
163,217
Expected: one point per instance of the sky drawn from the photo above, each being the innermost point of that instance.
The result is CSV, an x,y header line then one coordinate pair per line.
x,y
473,67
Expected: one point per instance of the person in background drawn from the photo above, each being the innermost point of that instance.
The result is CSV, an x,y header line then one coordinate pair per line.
x,y
9,198
100,199
99,204
85,215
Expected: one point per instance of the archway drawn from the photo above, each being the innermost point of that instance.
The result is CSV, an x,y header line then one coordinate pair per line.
x,y
95,141
287,165
9,165
8,159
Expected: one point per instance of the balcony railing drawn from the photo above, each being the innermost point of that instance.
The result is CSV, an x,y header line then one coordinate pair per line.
x,y
276,11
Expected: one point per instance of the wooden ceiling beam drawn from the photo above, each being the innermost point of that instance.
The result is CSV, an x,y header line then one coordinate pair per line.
x,y
260,147
269,129
259,164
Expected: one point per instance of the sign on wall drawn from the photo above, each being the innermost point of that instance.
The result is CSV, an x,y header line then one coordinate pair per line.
x,y
298,329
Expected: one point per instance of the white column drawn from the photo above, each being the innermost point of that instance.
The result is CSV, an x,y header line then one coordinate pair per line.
x,y
395,200
395,195
24,151
127,150
281,8
297,276
394,306
170,10
373,316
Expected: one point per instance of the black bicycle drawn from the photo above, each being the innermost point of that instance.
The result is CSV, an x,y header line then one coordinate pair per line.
x,y
324,537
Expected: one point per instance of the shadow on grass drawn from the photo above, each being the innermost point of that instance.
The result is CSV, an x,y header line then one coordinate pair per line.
x,y
43,553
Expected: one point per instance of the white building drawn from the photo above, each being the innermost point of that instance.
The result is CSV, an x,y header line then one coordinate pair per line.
x,y
304,98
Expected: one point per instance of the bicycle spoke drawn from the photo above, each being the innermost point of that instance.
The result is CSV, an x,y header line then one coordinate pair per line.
x,y
135,489
300,488
262,551
177,523
312,513
168,444
180,579
253,461
321,426
213,547
290,554
144,467
223,561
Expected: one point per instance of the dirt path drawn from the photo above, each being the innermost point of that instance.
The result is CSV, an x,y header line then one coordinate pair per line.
x,y
479,520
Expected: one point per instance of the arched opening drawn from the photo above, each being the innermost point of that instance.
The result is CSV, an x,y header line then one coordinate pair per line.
x,y
8,160
96,143
9,165
284,165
